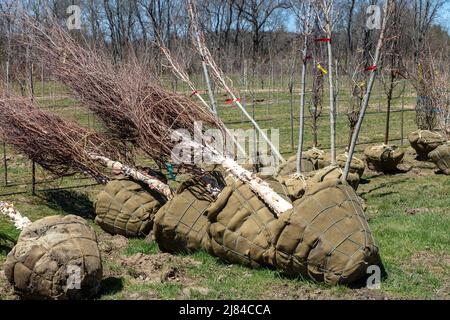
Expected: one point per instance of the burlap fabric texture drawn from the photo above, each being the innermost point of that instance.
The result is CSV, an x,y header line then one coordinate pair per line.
x,y
325,236
425,141
383,158
441,157
56,257
127,207
315,159
356,166
296,187
181,224
290,166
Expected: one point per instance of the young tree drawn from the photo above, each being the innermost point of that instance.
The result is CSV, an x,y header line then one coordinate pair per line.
x,y
387,9
327,18
305,14
392,62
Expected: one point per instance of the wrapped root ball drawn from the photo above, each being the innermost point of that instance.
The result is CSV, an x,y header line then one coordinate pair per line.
x,y
441,157
383,158
239,220
56,257
357,166
181,224
290,166
325,236
425,141
296,187
127,208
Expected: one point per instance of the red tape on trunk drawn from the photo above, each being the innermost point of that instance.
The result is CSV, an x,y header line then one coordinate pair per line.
x,y
230,101
323,40
194,93
371,68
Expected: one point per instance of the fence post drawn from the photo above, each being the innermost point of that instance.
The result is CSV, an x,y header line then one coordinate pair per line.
x,y
402,121
5,164
33,178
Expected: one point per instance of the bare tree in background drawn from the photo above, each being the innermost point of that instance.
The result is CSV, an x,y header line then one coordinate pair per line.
x,y
358,65
425,13
392,63
257,13
327,18
387,10
305,14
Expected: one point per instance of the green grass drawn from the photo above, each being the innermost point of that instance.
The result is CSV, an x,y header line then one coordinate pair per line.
x,y
140,246
400,236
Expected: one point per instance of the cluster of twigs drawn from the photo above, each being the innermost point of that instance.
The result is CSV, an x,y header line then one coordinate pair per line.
x,y
59,146
132,107
124,97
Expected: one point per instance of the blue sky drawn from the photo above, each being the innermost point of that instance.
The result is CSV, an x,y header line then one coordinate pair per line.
x,y
443,19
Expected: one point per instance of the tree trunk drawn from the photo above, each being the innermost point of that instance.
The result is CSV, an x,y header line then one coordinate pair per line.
x,y
302,107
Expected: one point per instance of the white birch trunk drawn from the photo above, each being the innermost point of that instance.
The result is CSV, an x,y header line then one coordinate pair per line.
x,y
302,108
210,92
332,103
257,185
8,210
128,171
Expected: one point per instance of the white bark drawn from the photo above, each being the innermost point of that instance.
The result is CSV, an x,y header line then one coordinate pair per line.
x,y
302,110
257,185
332,104
8,210
306,32
218,74
128,171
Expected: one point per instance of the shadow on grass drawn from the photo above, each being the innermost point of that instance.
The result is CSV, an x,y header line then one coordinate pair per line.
x,y
71,202
111,285
6,244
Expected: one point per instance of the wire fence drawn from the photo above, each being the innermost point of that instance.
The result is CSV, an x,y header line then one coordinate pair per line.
x,y
271,107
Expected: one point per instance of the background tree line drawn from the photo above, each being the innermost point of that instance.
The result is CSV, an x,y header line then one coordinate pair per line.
x,y
261,32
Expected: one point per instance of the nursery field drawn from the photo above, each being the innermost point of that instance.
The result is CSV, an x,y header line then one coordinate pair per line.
x,y
409,214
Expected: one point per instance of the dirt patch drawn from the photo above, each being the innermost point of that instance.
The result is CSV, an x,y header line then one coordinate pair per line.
x,y
415,211
438,265
160,267
111,245
296,292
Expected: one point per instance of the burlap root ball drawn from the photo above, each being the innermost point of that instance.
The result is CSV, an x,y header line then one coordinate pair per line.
x,y
127,208
181,225
56,257
239,224
325,236
296,187
383,158
290,166
441,157
356,166
425,141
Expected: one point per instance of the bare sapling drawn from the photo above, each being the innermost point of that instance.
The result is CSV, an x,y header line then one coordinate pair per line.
x,y
181,73
63,147
387,8
392,64
305,16
151,118
219,76
327,17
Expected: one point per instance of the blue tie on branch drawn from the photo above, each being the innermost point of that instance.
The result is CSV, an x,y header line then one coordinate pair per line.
x,y
170,169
